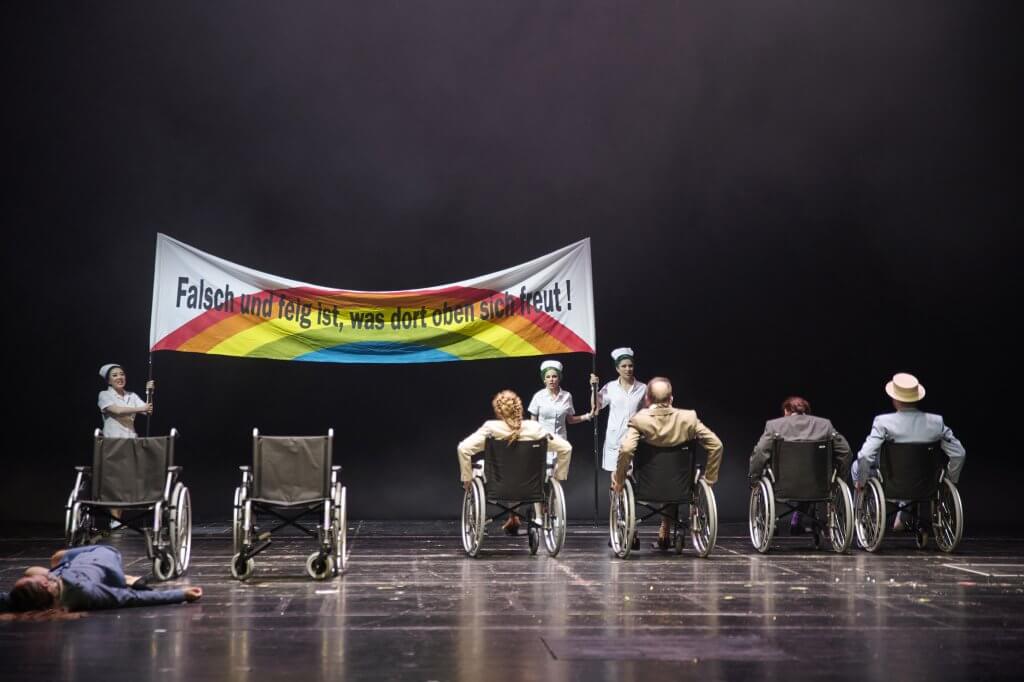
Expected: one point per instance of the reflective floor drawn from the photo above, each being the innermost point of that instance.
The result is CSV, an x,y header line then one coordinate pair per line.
x,y
412,606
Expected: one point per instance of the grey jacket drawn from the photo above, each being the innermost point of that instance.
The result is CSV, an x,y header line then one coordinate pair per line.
x,y
799,427
908,426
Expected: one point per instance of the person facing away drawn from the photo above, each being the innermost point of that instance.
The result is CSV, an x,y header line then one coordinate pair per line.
x,y
509,426
908,424
86,579
799,425
118,406
661,425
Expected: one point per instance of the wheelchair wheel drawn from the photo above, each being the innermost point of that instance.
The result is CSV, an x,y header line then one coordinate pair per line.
x,y
703,519
532,532
840,516
339,529
318,565
947,516
554,519
242,570
870,515
163,565
73,520
762,515
180,528
236,522
622,520
473,521
677,541
80,524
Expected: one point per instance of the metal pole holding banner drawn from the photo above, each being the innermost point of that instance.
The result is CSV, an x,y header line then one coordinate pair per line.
x,y
597,456
149,392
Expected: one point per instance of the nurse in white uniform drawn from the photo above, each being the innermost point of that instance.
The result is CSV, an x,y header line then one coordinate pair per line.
x,y
625,396
552,406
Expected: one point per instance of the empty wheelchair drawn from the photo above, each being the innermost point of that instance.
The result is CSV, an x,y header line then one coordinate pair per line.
x,y
515,475
291,477
138,477
802,473
910,476
662,480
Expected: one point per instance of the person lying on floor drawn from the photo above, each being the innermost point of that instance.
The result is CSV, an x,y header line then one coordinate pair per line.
x,y
87,579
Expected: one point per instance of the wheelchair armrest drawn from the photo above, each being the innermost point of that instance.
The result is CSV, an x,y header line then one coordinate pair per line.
x,y
244,468
335,467
176,468
84,470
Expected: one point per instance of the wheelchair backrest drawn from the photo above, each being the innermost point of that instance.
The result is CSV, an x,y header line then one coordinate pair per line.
x,y
910,471
515,471
131,470
664,474
291,469
802,469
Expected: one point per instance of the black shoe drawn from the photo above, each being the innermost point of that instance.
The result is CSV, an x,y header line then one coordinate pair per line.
x,y
512,530
798,529
636,541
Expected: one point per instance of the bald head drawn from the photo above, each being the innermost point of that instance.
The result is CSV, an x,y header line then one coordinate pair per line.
x,y
659,391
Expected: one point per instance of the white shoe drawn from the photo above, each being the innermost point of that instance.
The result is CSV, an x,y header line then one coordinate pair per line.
x,y
115,524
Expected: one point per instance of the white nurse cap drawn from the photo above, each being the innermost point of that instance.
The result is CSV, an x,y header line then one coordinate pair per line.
x,y
551,364
620,353
105,369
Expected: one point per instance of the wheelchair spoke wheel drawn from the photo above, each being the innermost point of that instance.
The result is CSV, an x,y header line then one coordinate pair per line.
x,y
181,528
840,516
622,520
947,516
554,519
473,521
870,515
236,522
339,529
242,569
80,524
761,519
73,519
703,518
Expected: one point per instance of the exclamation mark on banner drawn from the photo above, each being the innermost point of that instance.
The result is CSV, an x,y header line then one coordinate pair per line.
x,y
568,293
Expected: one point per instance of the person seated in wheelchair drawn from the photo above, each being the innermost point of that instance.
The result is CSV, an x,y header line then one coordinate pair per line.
x,y
661,425
798,424
908,424
87,579
509,426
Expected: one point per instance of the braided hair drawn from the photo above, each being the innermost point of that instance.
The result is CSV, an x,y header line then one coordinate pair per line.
x,y
509,409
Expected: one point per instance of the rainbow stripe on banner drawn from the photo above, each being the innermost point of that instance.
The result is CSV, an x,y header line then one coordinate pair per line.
x,y
204,304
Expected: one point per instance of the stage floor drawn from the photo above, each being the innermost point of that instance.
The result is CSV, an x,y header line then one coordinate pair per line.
x,y
413,606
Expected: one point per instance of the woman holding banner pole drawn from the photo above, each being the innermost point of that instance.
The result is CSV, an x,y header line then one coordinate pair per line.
x,y
624,397
553,408
118,407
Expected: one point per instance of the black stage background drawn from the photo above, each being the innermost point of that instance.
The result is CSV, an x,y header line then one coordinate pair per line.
x,y
783,198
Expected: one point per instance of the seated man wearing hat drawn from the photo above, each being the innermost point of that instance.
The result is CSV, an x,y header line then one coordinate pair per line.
x,y
907,424
662,425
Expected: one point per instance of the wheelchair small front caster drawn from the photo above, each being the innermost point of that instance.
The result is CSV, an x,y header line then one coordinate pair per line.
x,y
242,570
318,566
163,565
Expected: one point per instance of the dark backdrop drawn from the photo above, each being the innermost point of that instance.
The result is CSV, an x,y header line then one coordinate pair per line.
x,y
785,197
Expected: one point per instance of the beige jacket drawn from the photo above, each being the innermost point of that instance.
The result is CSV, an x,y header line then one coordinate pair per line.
x,y
531,430
665,427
